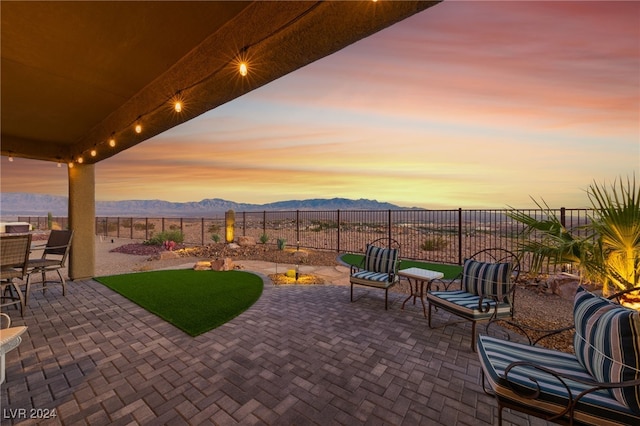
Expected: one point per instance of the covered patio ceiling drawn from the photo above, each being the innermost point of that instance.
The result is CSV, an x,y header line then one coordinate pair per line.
x,y
77,77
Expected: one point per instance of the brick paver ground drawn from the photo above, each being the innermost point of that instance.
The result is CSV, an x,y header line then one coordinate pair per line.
x,y
300,355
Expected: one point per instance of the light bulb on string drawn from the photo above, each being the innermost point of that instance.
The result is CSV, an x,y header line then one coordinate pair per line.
x,y
177,106
80,160
11,158
112,142
94,152
243,69
70,164
138,128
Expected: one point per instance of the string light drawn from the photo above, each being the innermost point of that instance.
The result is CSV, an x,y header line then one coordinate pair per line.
x,y
177,102
11,159
243,69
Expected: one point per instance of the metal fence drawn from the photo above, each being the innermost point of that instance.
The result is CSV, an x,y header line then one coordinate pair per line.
x,y
444,236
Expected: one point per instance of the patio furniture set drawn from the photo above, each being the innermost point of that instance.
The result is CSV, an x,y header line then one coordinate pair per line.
x,y
598,385
16,264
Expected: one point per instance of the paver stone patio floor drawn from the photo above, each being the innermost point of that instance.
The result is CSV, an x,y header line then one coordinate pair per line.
x,y
301,355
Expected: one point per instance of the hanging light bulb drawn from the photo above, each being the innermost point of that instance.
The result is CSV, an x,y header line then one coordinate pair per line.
x,y
11,158
70,164
80,160
243,69
94,152
59,164
112,142
138,128
177,106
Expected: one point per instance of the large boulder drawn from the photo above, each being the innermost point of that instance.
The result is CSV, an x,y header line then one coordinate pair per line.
x,y
564,285
225,264
246,241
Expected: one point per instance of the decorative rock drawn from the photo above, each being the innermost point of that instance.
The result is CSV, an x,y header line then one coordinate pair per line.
x,y
225,264
246,241
164,255
202,265
233,246
564,285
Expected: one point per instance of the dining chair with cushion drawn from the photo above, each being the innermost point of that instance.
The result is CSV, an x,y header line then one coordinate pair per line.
x,y
14,254
54,257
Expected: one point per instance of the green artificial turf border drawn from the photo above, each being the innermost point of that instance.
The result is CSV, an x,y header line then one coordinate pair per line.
x,y
450,271
193,301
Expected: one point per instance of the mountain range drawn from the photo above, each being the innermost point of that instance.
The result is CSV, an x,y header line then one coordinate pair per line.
x,y
28,204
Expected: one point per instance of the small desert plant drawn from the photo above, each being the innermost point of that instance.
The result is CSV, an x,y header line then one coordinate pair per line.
x,y
434,244
282,243
215,238
264,238
159,239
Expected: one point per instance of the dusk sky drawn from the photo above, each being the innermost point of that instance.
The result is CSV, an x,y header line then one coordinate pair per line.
x,y
470,104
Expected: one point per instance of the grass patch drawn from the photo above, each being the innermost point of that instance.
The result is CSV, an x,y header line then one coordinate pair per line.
x,y
450,271
193,301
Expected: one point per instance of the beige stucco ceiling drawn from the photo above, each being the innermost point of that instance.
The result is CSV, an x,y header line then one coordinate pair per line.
x,y
76,74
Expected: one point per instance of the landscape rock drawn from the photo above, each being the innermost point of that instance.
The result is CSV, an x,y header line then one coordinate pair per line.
x,y
225,264
564,285
246,241
202,265
233,246
164,255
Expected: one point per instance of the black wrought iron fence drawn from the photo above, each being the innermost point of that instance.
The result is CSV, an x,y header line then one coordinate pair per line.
x,y
446,236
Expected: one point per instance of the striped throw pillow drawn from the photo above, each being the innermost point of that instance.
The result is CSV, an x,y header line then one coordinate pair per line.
x,y
607,343
487,279
379,259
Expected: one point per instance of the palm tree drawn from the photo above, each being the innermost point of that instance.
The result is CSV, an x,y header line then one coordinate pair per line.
x,y
609,251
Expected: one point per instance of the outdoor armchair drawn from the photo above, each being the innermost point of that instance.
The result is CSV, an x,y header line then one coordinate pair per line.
x,y
14,253
379,267
484,290
54,257
598,385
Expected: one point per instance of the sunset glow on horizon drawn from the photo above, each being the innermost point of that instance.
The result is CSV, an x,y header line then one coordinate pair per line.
x,y
470,104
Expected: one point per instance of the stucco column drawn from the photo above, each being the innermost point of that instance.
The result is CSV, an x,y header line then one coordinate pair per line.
x,y
82,212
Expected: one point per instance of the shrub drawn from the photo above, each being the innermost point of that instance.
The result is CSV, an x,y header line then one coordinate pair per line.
x,y
264,238
281,243
215,238
434,244
160,238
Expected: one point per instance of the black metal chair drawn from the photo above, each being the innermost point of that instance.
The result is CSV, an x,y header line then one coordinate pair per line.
x,y
54,257
487,289
379,267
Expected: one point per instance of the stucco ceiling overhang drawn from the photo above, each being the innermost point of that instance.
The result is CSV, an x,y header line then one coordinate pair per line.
x,y
76,74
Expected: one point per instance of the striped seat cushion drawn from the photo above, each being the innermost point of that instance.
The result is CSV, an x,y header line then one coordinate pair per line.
x,y
486,278
466,304
607,343
379,259
374,279
598,407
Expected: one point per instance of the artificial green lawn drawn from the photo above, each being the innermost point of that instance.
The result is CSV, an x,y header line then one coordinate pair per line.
x,y
193,301
450,271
